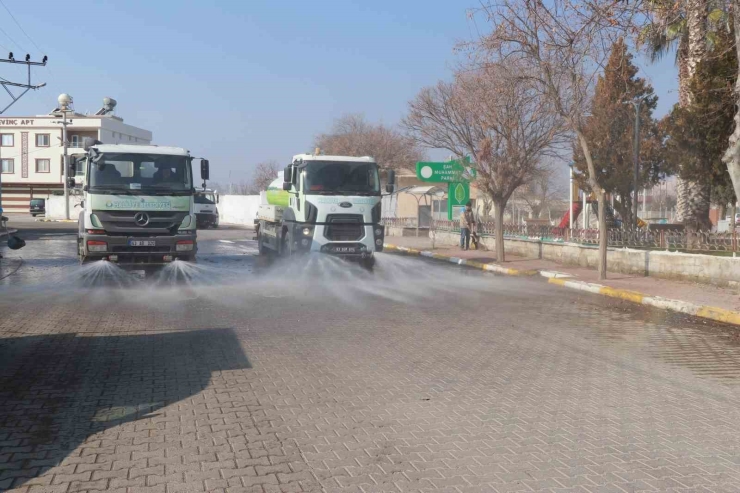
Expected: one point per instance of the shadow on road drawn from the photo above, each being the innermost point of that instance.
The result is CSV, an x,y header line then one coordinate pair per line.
x,y
57,390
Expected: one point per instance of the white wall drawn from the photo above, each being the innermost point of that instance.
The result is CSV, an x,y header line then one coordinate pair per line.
x,y
238,209
234,209
55,207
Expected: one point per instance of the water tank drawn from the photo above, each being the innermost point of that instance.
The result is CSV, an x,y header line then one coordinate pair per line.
x,y
276,195
109,104
64,101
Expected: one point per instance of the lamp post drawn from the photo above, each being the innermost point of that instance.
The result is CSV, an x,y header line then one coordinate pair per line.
x,y
637,103
65,100
570,195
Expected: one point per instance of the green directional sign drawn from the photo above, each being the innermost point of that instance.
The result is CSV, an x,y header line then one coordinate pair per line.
x,y
451,171
458,194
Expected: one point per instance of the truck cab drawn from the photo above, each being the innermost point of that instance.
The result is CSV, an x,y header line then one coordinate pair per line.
x,y
137,203
326,204
206,208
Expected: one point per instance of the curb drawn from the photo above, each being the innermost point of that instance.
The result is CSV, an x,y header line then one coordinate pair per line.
x,y
708,312
56,220
462,261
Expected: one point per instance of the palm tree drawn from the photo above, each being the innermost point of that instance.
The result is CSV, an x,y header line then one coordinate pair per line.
x,y
682,26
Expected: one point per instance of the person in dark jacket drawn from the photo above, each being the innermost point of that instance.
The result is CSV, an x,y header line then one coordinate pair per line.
x,y
467,223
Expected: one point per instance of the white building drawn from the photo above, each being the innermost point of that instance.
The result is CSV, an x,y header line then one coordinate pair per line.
x,y
31,151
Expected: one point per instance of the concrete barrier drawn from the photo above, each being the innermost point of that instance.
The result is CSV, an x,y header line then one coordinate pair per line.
x,y
238,209
55,207
707,269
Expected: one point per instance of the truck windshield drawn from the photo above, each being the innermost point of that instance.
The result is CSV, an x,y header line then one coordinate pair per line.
x,y
204,198
337,177
141,173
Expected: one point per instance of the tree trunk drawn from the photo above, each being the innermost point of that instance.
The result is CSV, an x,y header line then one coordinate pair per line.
x,y
733,211
603,232
693,197
499,212
601,196
732,155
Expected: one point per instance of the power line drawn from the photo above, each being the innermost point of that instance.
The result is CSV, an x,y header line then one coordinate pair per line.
x,y
20,27
11,39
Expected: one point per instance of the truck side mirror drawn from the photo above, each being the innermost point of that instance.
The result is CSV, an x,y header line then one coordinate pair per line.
x,y
287,185
71,182
288,175
390,187
204,169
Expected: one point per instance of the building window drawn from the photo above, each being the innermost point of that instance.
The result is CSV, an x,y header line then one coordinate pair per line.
x,y
7,140
42,140
130,138
43,166
76,141
8,166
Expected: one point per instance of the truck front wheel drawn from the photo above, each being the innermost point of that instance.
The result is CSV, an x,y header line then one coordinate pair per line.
x,y
286,246
261,248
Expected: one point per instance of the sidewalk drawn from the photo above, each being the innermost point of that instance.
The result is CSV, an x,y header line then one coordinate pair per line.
x,y
704,296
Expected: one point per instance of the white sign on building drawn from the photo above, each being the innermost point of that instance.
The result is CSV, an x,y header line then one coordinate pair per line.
x,y
31,150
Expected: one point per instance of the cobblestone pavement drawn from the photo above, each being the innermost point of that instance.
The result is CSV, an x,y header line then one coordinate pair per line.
x,y
318,376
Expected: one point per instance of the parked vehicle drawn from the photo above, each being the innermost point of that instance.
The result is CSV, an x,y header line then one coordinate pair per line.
x,y
37,206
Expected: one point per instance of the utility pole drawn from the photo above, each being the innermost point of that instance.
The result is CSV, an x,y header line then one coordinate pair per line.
x,y
65,100
27,86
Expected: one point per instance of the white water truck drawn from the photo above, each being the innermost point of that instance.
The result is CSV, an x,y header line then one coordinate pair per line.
x,y
137,205
327,204
206,208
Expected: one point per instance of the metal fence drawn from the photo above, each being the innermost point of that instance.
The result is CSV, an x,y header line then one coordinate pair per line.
x,y
641,239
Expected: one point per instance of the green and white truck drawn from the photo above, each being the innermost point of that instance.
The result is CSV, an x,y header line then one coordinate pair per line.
x,y
137,203
327,204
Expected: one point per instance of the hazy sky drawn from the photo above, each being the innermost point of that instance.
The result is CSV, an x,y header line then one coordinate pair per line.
x,y
244,81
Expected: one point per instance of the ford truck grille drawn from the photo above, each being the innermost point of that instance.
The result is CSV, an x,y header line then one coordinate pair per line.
x,y
124,222
344,227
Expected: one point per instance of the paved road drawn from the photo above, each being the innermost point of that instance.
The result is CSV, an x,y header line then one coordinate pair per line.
x,y
241,374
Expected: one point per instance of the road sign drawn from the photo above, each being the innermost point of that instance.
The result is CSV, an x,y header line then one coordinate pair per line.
x,y
451,171
458,194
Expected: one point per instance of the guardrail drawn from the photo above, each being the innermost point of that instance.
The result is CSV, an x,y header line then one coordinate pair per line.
x,y
642,239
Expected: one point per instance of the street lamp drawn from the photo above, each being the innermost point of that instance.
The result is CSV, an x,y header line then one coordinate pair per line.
x,y
637,103
570,194
65,101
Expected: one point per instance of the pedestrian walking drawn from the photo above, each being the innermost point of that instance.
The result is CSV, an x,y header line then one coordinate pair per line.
x,y
467,224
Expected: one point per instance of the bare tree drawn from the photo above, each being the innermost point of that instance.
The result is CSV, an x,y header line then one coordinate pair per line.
x,y
352,135
565,44
495,115
540,192
264,174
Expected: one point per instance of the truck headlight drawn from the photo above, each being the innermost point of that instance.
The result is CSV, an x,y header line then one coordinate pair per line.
x,y
379,242
306,231
378,232
185,246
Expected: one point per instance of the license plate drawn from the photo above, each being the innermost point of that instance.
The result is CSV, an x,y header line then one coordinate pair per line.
x,y
141,243
344,249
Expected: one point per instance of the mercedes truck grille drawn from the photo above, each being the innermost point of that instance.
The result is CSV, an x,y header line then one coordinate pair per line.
x,y
150,222
344,227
